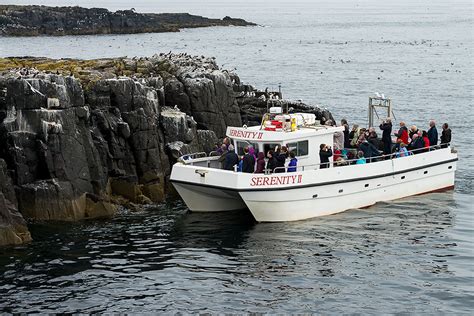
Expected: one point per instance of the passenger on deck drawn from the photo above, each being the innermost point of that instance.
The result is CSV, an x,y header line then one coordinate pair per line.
x,y
373,138
252,152
293,162
223,154
281,159
226,142
271,163
402,134
413,131
445,136
218,149
347,140
433,134
361,159
338,139
362,136
248,161
416,144
402,151
260,162
426,141
386,128
339,157
369,150
231,159
324,153
354,136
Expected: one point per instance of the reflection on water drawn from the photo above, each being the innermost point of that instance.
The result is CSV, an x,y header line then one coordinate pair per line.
x,y
165,259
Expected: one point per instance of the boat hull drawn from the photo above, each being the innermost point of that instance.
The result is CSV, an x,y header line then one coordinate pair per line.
x,y
311,193
206,199
319,201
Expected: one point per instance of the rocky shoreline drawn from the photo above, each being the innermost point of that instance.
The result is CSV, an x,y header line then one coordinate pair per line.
x,y
81,138
35,20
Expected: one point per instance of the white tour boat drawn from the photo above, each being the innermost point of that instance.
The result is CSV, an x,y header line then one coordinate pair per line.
x,y
311,191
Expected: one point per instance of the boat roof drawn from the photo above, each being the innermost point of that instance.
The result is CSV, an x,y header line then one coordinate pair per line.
x,y
257,134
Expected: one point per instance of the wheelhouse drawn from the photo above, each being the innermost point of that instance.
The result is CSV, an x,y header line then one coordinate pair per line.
x,y
304,141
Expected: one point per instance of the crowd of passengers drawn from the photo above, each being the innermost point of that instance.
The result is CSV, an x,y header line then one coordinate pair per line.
x,y
356,146
364,145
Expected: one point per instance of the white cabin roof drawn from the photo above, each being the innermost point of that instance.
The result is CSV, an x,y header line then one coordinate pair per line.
x,y
256,134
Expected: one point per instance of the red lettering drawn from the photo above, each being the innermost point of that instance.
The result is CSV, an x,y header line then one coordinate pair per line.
x,y
245,134
275,180
293,178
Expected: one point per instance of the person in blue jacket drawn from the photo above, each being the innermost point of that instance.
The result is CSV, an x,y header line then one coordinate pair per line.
x,y
293,162
361,158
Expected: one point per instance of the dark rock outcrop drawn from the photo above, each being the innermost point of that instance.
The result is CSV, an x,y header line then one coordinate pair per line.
x,y
34,20
80,138
13,228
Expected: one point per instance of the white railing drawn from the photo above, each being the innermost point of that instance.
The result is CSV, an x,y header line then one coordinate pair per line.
x,y
201,159
348,162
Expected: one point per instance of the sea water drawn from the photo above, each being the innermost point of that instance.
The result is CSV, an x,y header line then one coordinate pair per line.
x,y
413,255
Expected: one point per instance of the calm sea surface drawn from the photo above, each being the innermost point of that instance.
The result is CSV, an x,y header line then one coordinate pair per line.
x,y
414,255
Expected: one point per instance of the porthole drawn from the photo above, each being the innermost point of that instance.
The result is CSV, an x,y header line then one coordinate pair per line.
x,y
403,177
426,171
450,167
341,190
315,196
366,185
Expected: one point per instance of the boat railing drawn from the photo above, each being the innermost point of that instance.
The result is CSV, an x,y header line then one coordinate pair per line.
x,y
347,162
202,159
192,156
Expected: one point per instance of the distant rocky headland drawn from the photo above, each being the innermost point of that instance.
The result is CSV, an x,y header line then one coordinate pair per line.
x,y
35,20
80,139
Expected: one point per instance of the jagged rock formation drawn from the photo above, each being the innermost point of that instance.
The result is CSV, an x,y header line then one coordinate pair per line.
x,y
13,228
80,138
34,20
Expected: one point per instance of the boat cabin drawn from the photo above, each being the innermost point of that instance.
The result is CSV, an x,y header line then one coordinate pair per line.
x,y
298,132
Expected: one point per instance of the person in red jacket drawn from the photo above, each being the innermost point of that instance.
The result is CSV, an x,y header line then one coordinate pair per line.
x,y
426,140
402,134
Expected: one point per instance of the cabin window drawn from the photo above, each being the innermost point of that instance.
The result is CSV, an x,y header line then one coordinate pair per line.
x,y
300,148
267,147
242,144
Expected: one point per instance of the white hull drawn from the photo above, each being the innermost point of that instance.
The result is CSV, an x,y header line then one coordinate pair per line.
x,y
313,193
205,199
293,206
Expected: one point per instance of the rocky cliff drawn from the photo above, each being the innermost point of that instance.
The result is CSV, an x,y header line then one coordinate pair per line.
x,y
80,138
17,20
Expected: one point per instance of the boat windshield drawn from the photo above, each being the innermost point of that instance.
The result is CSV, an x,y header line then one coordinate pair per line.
x,y
240,145
270,146
300,148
